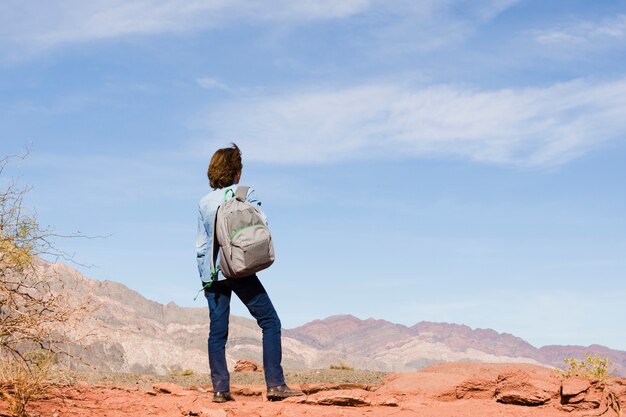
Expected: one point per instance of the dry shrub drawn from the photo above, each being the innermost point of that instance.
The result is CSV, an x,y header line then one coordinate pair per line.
x,y
181,372
25,381
341,367
36,312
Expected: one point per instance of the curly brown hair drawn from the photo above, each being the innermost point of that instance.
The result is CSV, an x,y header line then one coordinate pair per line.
x,y
224,167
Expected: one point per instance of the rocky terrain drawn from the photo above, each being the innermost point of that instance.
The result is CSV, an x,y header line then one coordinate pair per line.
x,y
452,389
394,347
132,334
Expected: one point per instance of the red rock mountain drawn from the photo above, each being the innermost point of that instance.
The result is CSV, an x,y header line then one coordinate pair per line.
x,y
426,343
133,334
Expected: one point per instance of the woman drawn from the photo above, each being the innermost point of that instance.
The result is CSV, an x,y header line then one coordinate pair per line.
x,y
224,173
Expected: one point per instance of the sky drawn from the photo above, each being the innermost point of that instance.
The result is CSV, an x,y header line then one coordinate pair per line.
x,y
449,161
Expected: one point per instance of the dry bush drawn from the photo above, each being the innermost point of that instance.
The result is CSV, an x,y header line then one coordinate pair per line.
x,y
592,367
341,367
24,382
36,312
181,372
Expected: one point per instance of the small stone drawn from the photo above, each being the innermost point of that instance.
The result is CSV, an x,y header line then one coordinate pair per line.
x,y
346,398
166,388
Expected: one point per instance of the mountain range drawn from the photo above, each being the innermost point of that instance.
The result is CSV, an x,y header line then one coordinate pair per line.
x,y
129,333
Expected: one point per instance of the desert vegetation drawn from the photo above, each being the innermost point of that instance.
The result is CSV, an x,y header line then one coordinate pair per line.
x,y
36,312
341,367
181,372
592,367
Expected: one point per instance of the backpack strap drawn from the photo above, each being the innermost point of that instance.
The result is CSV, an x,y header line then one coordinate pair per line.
x,y
215,248
241,193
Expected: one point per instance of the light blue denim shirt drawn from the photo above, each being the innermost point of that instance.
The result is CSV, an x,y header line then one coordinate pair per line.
x,y
206,219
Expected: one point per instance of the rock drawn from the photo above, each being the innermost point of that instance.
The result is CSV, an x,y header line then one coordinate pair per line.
x,y
248,390
522,397
593,398
475,388
461,380
343,398
315,388
245,365
202,412
200,388
166,388
386,402
589,399
573,390
207,412
439,385
574,386
521,388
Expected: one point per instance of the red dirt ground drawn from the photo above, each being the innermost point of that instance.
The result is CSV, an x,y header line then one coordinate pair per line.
x,y
453,389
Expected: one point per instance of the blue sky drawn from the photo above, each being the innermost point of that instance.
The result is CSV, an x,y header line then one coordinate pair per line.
x,y
454,160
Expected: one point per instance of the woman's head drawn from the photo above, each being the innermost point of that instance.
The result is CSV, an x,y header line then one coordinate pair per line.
x,y
225,167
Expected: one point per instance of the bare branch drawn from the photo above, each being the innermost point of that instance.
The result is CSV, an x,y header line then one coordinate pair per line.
x,y
37,313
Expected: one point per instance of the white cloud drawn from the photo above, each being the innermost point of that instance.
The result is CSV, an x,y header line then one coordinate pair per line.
x,y
212,84
29,23
76,20
492,8
529,127
585,33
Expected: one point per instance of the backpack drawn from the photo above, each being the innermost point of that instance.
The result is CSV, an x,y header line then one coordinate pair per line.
x,y
242,237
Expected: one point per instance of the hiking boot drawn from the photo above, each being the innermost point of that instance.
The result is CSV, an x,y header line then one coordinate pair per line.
x,y
222,397
281,392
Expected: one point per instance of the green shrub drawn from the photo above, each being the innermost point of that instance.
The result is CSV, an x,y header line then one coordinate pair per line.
x,y
592,367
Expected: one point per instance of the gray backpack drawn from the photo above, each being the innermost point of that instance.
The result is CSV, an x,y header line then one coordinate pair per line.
x,y
243,238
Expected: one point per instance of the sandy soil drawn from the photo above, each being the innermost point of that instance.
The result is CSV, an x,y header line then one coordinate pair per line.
x,y
145,382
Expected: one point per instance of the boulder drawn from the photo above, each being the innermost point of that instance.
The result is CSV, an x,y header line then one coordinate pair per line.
x,y
573,390
475,388
522,388
245,365
585,395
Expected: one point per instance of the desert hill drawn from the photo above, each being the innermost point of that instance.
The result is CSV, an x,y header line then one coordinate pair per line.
x,y
427,343
133,334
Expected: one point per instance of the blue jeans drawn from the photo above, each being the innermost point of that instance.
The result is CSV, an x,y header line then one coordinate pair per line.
x,y
251,292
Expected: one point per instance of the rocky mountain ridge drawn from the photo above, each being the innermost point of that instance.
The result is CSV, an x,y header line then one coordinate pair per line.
x,y
132,334
453,342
